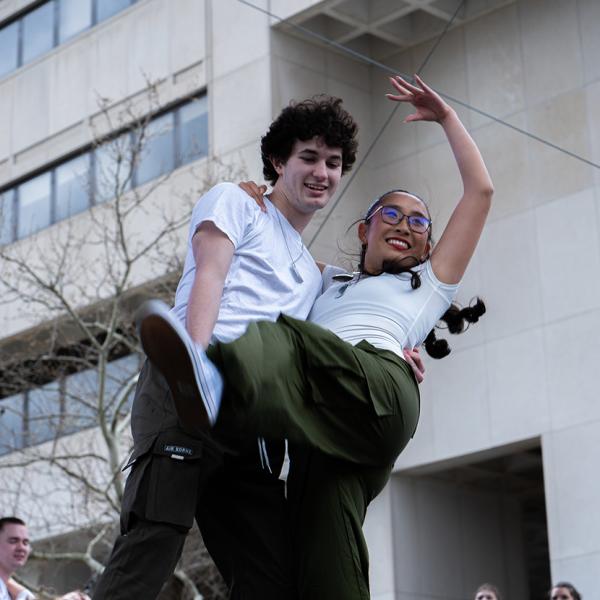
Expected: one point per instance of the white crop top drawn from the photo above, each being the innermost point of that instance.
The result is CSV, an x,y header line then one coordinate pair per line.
x,y
384,310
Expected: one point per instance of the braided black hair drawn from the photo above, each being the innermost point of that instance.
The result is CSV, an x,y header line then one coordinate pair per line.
x,y
455,319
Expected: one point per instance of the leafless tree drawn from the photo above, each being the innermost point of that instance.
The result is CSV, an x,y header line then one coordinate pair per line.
x,y
70,377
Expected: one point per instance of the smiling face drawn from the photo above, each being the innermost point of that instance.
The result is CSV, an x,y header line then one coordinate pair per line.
x,y
394,242
307,180
14,547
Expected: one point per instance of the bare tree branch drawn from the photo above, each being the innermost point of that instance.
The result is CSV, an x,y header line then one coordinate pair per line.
x,y
70,383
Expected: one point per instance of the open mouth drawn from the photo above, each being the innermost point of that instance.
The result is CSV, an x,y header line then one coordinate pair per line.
x,y
316,187
398,243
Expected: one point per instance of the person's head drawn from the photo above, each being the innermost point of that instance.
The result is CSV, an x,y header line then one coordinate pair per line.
x,y
14,545
563,590
487,591
395,236
307,149
395,229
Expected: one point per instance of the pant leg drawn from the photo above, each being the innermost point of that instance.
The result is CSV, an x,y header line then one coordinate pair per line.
x,y
244,523
141,561
297,380
169,472
328,502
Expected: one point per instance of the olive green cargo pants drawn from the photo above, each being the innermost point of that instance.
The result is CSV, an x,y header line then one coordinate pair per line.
x,y
354,407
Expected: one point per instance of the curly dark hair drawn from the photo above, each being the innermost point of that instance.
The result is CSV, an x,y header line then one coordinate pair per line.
x,y
321,116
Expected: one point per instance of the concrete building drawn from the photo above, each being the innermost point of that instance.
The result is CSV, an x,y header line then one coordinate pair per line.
x,y
500,481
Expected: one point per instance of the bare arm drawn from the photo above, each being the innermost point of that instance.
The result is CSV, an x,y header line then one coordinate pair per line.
x,y
455,248
213,253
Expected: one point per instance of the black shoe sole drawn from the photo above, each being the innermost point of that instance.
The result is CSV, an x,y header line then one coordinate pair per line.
x,y
168,353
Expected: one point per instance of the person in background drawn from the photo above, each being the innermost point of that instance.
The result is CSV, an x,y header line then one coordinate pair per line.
x,y
563,590
14,552
487,591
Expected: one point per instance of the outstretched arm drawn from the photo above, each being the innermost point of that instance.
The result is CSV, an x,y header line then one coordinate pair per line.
x,y
455,248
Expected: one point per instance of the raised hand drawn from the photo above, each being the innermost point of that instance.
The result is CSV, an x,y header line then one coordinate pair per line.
x,y
429,105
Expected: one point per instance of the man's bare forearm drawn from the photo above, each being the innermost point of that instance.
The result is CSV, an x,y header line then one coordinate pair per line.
x,y
213,252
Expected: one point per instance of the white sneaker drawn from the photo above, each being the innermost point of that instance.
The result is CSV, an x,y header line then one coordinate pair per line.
x,y
196,384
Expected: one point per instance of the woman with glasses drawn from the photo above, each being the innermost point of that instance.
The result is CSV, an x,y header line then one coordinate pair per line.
x,y
339,383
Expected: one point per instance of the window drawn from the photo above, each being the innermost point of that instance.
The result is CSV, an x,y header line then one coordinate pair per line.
x,y
65,406
38,31
81,401
107,8
34,205
75,16
9,48
11,424
118,378
175,138
113,170
157,156
193,131
43,414
38,28
72,187
7,217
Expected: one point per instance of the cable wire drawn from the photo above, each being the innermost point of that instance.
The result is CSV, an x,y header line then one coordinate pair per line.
x,y
388,69
382,129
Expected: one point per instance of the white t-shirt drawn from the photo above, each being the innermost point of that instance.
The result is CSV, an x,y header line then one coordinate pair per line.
x,y
383,310
260,284
24,595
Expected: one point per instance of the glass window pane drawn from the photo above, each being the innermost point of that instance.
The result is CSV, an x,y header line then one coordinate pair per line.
x,y
156,154
43,414
34,205
7,216
75,16
11,424
113,169
81,401
72,187
9,40
38,31
108,8
193,132
120,379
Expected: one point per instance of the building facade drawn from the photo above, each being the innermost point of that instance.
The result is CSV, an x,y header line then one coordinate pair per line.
x,y
499,481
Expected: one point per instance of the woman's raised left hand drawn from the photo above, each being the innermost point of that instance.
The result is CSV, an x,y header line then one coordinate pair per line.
x,y
429,105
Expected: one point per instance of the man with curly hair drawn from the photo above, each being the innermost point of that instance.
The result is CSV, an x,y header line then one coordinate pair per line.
x,y
242,265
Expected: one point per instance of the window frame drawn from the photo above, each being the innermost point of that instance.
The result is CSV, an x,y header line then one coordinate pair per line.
x,y
93,197
19,18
